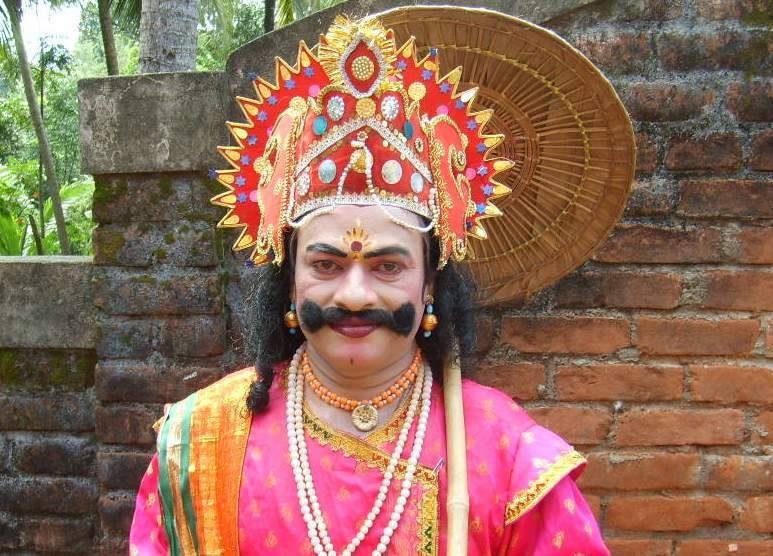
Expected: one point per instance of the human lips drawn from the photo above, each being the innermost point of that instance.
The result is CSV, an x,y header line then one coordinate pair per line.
x,y
354,327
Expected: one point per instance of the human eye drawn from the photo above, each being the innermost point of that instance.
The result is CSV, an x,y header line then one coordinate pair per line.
x,y
389,268
325,266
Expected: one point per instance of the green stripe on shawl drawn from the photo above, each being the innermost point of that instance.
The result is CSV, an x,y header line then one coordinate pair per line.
x,y
185,458
164,483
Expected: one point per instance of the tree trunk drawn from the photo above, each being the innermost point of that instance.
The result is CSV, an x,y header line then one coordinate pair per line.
x,y
269,7
12,7
168,35
108,39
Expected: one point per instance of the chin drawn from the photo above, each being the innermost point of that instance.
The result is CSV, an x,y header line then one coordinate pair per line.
x,y
376,350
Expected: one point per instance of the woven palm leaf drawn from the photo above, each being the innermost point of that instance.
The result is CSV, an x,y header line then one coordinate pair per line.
x,y
565,128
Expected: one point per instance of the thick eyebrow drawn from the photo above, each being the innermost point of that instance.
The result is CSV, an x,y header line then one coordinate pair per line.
x,y
325,248
388,250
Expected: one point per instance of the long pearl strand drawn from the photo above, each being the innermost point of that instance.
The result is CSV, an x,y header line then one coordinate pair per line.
x,y
307,497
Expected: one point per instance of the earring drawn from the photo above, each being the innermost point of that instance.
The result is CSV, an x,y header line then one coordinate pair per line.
x,y
291,320
429,321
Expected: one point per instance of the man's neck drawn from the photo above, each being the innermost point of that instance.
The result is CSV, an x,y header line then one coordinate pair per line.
x,y
362,384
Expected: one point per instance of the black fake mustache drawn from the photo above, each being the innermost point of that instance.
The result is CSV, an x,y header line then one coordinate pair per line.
x,y
400,321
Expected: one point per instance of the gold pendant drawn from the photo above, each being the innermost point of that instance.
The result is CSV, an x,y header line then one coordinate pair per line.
x,y
365,417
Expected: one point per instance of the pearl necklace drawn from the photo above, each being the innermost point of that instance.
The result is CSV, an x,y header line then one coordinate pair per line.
x,y
299,460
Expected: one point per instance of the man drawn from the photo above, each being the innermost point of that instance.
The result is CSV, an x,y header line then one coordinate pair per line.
x,y
357,181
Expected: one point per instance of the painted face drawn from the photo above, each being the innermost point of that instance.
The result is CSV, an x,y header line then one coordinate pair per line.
x,y
359,286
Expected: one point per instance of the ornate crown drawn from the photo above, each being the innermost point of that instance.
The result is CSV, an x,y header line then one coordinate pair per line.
x,y
360,122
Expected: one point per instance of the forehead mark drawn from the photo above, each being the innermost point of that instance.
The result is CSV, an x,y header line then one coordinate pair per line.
x,y
356,240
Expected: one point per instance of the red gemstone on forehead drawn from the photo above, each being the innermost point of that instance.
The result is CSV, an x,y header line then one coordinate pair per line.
x,y
356,246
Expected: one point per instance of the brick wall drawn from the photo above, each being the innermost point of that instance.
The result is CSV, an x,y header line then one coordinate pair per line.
x,y
654,358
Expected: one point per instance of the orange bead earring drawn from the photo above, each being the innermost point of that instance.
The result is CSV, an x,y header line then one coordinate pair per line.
x,y
429,321
291,320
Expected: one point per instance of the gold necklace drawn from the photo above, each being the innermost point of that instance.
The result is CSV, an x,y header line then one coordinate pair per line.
x,y
364,412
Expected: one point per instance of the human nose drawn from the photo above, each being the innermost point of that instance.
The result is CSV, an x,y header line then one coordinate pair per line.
x,y
355,292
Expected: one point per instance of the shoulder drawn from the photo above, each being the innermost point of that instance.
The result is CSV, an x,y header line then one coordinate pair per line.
x,y
492,411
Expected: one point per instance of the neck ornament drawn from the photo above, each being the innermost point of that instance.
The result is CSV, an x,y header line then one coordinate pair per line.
x,y
299,460
364,412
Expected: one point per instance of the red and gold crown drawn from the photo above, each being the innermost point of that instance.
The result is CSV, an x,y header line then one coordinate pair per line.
x,y
358,121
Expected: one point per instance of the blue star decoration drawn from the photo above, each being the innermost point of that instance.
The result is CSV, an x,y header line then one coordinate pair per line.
x,y
459,104
252,76
241,197
252,140
445,87
426,75
249,264
482,170
472,124
272,100
262,116
240,181
245,159
290,84
433,51
212,174
481,207
488,189
308,72
481,148
401,65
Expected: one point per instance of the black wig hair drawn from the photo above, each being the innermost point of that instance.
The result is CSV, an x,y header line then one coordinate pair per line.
x,y
270,342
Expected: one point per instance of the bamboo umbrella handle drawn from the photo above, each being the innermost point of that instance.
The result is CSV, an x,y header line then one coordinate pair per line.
x,y
458,501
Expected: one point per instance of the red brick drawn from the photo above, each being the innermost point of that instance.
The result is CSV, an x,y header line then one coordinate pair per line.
x,y
753,245
648,244
762,430
518,380
680,427
728,384
200,336
121,470
484,334
744,290
717,547
619,382
739,473
757,513
620,289
638,547
577,425
697,337
650,471
651,197
726,199
720,152
646,153
55,456
119,381
738,50
47,495
565,335
667,513
60,412
665,102
729,9
762,152
59,535
616,53
594,503
751,102
120,424
115,512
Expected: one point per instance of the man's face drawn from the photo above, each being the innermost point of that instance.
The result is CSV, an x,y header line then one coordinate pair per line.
x,y
357,260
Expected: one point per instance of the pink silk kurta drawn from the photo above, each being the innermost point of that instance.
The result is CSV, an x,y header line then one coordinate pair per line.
x,y
523,498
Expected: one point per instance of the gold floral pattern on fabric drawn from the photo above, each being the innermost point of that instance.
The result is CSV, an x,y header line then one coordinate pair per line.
x,y
537,489
363,452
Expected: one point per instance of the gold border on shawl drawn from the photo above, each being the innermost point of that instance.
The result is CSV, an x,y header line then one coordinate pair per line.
x,y
173,453
428,528
220,427
537,489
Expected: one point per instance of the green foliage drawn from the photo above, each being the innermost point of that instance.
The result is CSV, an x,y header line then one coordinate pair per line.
x,y
224,26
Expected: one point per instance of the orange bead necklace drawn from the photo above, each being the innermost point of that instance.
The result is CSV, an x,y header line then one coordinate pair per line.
x,y
364,412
